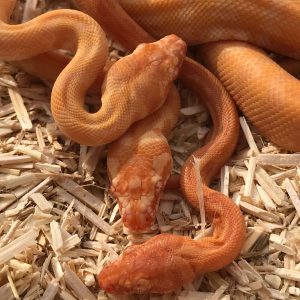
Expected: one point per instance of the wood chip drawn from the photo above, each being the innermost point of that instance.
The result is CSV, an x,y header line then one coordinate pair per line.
x,y
12,286
35,154
270,186
248,135
43,204
192,110
82,194
57,240
252,238
51,183
266,199
20,108
74,283
200,197
288,274
57,268
277,243
282,160
14,181
293,195
85,211
238,273
273,280
295,291
10,233
250,177
14,159
225,180
51,290
90,160
17,246
258,212
30,10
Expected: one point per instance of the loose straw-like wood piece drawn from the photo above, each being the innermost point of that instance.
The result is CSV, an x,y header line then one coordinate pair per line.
x,y
74,283
197,162
43,204
282,160
85,211
51,290
14,159
248,135
18,245
82,194
293,195
20,108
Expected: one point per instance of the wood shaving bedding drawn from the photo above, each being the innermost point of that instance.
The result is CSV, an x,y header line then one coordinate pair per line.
x,y
59,226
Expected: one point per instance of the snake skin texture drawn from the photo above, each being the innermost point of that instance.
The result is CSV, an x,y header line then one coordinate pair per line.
x,y
270,24
275,108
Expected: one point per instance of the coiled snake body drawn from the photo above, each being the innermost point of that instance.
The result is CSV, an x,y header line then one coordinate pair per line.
x,y
166,262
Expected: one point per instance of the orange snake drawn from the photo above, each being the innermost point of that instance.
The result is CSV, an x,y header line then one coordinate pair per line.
x,y
166,262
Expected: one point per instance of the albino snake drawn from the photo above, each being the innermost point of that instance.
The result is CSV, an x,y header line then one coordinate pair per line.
x,y
266,95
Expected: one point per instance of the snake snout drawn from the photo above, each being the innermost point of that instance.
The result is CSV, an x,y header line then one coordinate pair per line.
x,y
138,222
174,44
138,191
117,278
138,214
169,51
151,267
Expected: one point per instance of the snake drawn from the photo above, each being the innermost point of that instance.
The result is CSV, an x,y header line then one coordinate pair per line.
x,y
234,38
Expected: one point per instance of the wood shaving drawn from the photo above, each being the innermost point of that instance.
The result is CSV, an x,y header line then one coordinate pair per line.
x,y
197,162
59,225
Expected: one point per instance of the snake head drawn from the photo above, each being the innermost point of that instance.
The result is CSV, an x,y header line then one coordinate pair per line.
x,y
137,188
156,266
139,169
168,52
